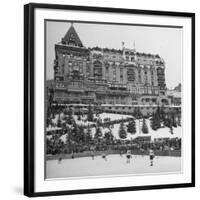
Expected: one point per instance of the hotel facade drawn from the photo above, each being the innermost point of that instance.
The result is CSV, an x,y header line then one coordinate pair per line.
x,y
105,76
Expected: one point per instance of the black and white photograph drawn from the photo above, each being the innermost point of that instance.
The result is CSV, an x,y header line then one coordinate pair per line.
x,y
109,100
113,99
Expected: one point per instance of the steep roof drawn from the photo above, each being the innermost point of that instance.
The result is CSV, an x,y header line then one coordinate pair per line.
x,y
71,37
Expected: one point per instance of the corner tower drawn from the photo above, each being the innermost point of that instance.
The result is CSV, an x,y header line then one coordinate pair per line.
x,y
70,57
71,38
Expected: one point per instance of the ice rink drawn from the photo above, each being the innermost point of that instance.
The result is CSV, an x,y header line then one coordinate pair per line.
x,y
115,165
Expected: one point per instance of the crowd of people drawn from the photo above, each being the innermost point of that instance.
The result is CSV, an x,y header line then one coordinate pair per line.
x,y
55,145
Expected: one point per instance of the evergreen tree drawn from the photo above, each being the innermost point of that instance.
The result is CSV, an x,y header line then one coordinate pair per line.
x,y
162,113
155,121
74,133
98,133
144,127
173,118
65,111
179,121
108,136
122,131
70,112
90,116
79,117
137,113
69,118
81,135
88,135
169,123
131,128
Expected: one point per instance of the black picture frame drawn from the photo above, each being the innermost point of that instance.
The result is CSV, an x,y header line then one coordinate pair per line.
x,y
29,94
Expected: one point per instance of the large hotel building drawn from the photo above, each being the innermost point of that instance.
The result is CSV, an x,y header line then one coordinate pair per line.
x,y
106,76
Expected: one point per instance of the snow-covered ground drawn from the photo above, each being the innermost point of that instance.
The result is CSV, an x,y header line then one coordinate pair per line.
x,y
160,133
115,165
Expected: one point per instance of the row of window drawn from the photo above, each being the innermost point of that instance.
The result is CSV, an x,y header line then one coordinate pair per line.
x,y
130,58
130,108
98,73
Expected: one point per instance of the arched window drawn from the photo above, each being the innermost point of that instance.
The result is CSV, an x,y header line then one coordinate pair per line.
x,y
107,71
165,101
98,72
130,75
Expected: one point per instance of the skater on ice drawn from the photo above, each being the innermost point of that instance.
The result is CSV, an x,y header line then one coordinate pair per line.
x,y
104,156
121,153
92,154
128,156
72,155
59,159
151,156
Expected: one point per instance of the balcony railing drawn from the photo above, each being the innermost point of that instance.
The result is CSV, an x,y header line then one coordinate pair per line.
x,y
88,97
118,92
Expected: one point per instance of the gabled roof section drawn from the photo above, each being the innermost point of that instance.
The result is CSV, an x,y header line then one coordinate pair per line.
x,y
71,38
